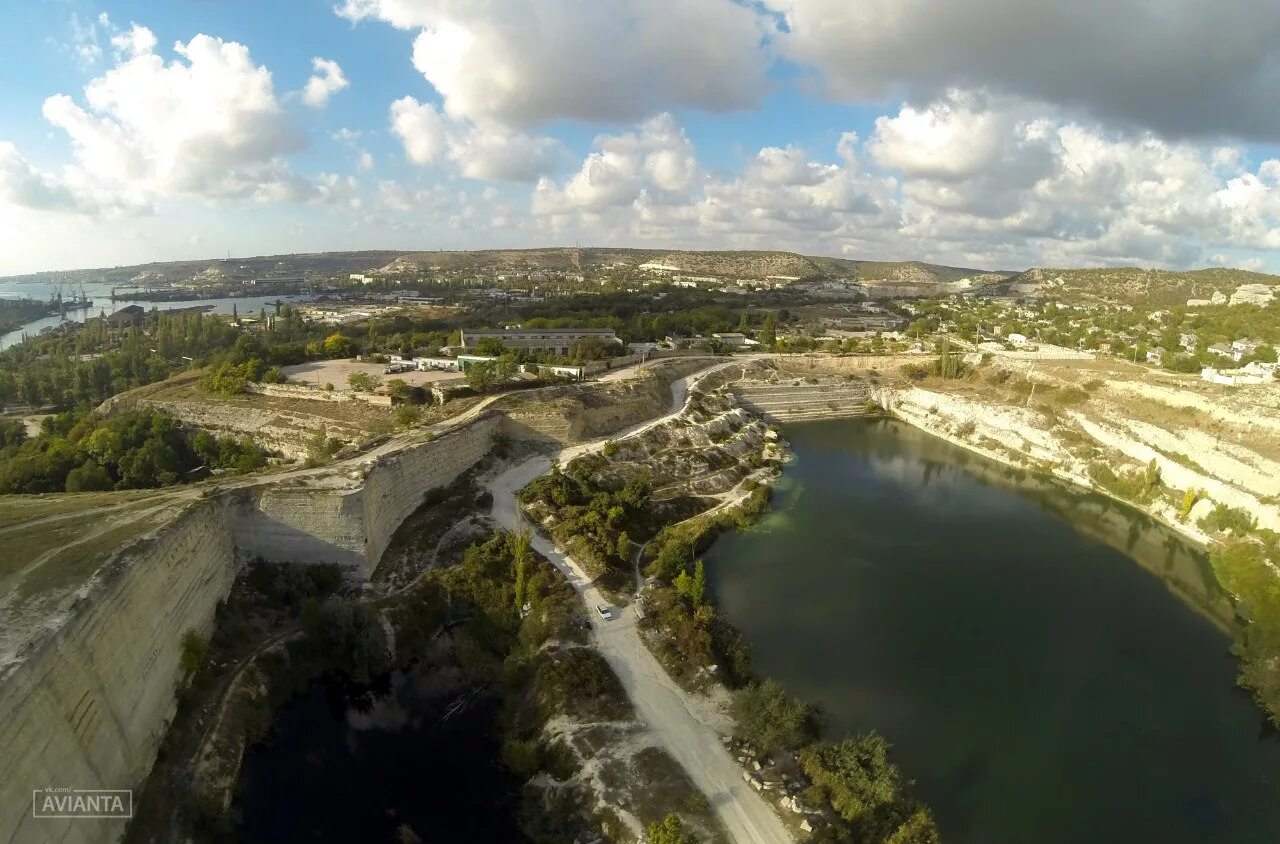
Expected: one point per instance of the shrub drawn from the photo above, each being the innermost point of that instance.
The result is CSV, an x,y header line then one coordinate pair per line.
x,y
1224,519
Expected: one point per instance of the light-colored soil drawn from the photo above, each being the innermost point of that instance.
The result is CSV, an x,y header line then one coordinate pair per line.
x,y
336,372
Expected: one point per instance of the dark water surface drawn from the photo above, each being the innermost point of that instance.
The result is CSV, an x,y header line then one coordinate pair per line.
x,y
1019,643
352,764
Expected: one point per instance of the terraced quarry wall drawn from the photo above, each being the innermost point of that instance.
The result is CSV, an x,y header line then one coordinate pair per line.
x,y
796,400
88,708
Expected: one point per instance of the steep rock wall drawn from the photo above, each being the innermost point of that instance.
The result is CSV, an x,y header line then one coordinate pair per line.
x,y
299,524
89,707
394,487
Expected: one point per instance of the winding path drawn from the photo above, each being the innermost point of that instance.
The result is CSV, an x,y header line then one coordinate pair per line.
x,y
659,702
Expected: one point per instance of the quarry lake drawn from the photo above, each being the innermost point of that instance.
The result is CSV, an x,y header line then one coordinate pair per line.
x,y
1050,666
379,763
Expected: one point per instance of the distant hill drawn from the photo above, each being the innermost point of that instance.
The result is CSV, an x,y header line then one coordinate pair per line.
x,y
1132,285
905,277
1123,285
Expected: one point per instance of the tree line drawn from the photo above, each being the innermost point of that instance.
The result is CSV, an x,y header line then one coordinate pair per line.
x,y
138,449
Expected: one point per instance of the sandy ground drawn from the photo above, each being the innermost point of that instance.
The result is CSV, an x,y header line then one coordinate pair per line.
x,y
335,372
684,725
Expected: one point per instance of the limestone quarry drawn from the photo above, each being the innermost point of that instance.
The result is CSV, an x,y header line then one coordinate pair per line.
x,y
90,651
87,673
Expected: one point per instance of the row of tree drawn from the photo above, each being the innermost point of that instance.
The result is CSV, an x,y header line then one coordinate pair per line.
x,y
139,449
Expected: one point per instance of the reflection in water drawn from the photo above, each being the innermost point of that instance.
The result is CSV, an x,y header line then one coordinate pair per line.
x,y
991,623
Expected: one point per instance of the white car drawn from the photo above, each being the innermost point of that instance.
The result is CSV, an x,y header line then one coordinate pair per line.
x,y
605,612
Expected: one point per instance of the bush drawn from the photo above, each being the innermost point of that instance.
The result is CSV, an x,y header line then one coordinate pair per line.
x,y
1224,519
195,650
867,790
771,719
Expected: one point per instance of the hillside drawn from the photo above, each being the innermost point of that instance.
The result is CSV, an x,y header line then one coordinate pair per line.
x,y
1134,286
734,264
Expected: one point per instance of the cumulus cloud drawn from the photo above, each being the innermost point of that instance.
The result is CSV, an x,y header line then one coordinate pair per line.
x,y
656,161
969,179
206,124
327,80
25,186
476,151
1183,68
521,63
648,184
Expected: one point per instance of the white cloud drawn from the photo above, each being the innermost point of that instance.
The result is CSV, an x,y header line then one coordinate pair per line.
x,y
1184,68
24,186
137,41
206,124
327,80
521,63
86,43
656,160
476,151
969,180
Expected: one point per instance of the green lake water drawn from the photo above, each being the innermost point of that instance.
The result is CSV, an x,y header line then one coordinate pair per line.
x,y
1044,661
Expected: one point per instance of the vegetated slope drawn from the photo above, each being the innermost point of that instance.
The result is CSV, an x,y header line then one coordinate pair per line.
x,y
752,264
729,264
1133,285
916,272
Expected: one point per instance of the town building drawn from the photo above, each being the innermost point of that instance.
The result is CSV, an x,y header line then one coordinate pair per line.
x,y
735,339
555,340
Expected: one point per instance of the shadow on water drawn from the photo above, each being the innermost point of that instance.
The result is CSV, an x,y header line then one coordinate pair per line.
x,y
347,763
1038,685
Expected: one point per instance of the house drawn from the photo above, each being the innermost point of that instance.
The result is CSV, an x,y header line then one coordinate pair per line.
x,y
556,340
1018,339
1188,342
641,348
1226,350
735,339
1155,357
126,316
1245,347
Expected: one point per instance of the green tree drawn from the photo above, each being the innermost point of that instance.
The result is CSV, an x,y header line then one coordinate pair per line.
x,y
88,477
519,542
363,382
624,546
337,346
769,333
770,718
692,587
671,559
668,831
490,347
398,389
480,375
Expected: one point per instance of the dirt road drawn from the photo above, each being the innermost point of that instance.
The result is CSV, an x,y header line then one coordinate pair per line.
x,y
659,702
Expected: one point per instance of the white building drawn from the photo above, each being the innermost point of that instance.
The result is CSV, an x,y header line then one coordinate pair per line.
x,y
735,339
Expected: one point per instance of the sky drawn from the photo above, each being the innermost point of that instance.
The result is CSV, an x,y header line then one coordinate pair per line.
x,y
999,134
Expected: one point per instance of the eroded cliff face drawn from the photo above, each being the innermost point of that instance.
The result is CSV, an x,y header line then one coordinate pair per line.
x,y
88,708
394,487
1025,438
